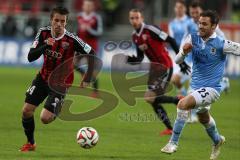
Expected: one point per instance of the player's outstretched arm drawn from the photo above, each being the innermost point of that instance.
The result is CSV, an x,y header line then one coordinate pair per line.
x,y
173,44
187,47
83,48
89,74
39,45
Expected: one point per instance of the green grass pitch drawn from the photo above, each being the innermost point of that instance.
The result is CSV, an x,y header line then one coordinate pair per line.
x,y
120,138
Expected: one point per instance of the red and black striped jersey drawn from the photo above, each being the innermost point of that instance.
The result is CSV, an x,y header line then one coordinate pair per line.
x,y
90,35
60,54
149,40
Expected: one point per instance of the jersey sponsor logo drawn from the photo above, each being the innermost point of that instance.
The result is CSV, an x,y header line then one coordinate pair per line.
x,y
213,50
31,90
53,54
87,48
65,45
144,37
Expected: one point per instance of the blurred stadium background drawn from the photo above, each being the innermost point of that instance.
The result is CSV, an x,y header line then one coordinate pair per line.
x,y
124,133
21,19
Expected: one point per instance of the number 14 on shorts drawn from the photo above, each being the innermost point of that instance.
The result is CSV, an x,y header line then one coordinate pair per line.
x,y
31,89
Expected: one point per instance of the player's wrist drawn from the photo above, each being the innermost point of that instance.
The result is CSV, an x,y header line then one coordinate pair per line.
x,y
183,54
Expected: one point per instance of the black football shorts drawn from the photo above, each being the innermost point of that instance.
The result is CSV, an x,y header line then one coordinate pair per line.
x,y
39,90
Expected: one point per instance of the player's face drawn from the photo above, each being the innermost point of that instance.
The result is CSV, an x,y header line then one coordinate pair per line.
x,y
135,19
88,6
180,9
195,13
206,28
58,23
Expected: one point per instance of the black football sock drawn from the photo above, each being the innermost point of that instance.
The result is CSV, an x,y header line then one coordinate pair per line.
x,y
95,85
166,99
29,126
162,114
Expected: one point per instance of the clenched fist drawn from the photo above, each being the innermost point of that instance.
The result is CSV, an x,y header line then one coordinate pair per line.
x,y
50,41
187,48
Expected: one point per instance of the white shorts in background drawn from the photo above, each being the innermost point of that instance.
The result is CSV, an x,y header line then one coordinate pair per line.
x,y
204,97
177,71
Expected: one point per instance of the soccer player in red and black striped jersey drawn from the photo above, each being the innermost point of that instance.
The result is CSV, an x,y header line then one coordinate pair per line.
x,y
89,29
57,46
149,40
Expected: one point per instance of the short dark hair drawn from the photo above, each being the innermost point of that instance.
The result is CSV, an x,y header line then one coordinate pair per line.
x,y
136,10
90,1
181,1
61,10
214,18
195,4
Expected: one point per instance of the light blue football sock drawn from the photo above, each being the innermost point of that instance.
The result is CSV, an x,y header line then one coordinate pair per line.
x,y
183,91
179,124
212,131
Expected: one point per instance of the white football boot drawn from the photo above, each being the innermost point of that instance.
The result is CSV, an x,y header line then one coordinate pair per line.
x,y
216,148
169,148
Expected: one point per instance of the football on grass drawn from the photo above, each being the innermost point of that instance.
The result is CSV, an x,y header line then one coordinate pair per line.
x,y
87,137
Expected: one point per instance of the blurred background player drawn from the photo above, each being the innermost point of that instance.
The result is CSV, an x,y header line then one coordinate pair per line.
x,y
58,47
195,9
177,28
89,29
149,40
209,53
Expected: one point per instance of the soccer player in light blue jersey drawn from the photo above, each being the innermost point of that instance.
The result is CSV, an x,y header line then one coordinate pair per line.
x,y
195,9
177,28
209,55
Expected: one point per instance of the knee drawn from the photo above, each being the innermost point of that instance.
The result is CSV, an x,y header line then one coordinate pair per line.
x,y
203,120
46,120
182,104
149,97
27,112
176,81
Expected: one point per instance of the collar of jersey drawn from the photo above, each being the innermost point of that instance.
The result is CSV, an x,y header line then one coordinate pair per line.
x,y
139,33
182,18
60,36
89,16
214,35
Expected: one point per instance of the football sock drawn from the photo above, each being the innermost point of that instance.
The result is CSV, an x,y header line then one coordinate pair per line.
x,y
58,108
95,85
162,114
183,91
193,115
29,126
166,99
212,131
179,124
